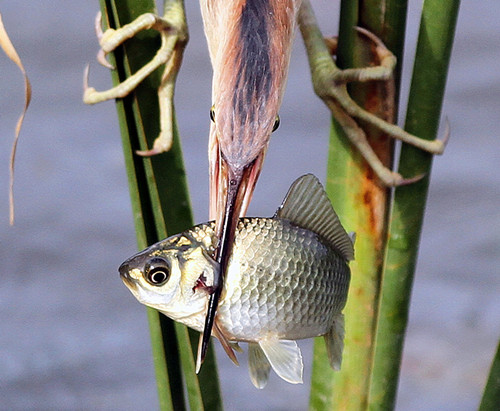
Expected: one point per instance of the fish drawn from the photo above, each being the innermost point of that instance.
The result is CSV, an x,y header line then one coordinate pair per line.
x,y
287,279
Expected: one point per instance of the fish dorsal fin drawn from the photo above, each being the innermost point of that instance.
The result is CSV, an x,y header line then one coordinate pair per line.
x,y
307,205
258,366
285,358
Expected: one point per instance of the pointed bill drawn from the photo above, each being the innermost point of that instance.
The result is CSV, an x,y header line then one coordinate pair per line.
x,y
234,191
250,44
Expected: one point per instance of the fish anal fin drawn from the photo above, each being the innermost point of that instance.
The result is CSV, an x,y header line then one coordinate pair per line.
x,y
334,340
258,366
285,358
307,205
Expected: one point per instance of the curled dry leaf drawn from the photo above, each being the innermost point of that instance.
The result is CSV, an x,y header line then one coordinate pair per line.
x,y
9,49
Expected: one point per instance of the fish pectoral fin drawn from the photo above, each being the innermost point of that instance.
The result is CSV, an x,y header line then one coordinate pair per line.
x,y
285,358
258,366
334,340
228,347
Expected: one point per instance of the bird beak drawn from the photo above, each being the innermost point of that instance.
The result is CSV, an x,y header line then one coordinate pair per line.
x,y
234,192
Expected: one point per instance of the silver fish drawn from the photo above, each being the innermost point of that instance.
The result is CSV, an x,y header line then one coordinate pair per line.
x,y
287,279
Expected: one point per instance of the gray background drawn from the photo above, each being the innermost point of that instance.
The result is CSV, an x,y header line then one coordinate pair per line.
x,y
71,335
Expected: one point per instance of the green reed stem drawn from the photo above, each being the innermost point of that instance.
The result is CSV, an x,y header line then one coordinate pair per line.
x,y
161,205
362,204
437,29
491,395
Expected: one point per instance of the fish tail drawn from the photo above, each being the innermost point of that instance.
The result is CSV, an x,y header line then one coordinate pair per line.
x,y
334,340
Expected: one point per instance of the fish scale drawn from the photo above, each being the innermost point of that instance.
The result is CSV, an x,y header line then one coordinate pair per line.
x,y
287,279
262,294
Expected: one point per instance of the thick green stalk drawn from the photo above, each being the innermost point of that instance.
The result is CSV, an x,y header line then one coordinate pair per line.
x,y
362,204
437,30
160,205
491,395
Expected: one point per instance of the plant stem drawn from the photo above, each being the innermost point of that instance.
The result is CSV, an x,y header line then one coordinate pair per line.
x,y
362,204
491,396
437,30
160,204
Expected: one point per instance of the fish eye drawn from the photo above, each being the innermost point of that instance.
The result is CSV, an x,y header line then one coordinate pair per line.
x,y
157,271
276,123
212,113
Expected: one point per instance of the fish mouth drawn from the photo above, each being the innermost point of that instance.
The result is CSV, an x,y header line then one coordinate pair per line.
x,y
125,274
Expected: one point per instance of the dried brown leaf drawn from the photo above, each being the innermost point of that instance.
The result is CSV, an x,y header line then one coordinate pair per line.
x,y
10,50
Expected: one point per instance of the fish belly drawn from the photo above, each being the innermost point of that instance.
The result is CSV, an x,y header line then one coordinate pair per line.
x,y
282,282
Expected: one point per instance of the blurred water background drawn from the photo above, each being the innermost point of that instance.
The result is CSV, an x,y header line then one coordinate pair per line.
x,y
71,335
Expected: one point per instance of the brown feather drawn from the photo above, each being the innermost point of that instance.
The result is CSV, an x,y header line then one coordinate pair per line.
x,y
250,43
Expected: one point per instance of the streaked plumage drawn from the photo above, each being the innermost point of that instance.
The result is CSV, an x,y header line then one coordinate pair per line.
x,y
287,279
